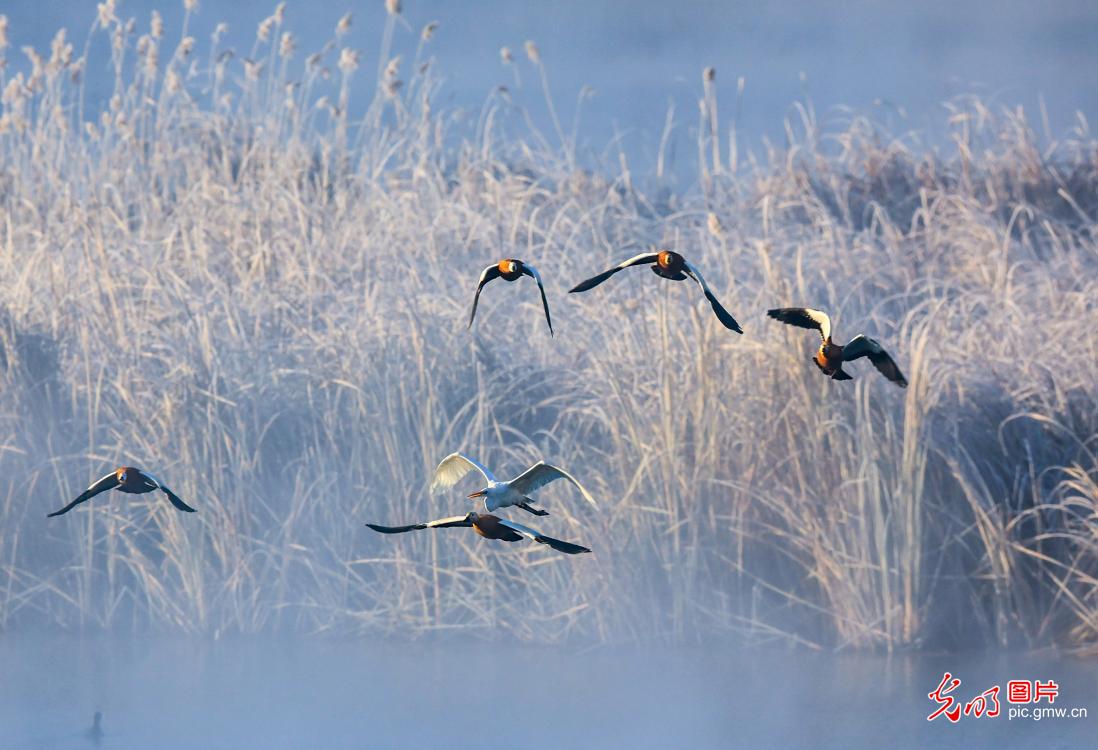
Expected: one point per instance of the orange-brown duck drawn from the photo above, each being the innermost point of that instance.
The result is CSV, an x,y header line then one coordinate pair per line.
x,y
489,527
510,269
669,265
125,479
831,356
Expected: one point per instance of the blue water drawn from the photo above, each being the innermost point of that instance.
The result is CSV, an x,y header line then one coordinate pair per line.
x,y
362,693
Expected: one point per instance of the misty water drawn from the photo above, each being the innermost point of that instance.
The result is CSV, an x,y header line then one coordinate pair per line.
x,y
362,693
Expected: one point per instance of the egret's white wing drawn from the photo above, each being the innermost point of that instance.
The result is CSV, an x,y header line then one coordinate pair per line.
x,y
557,544
541,474
453,468
723,315
804,317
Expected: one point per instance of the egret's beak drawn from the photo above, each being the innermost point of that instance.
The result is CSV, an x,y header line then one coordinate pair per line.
x,y
478,493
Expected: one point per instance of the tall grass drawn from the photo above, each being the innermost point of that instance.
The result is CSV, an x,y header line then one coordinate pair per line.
x,y
236,276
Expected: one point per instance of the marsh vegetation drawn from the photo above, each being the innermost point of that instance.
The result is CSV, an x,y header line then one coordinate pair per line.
x,y
251,271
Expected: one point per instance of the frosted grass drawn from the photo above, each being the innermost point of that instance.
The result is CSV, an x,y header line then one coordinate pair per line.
x,y
227,277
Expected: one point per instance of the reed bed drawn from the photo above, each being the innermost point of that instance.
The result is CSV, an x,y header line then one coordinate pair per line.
x,y
251,274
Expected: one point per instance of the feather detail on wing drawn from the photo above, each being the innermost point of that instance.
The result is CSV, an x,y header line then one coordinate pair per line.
x,y
594,281
532,272
172,497
804,317
104,483
453,468
723,315
560,546
541,474
491,272
863,346
442,523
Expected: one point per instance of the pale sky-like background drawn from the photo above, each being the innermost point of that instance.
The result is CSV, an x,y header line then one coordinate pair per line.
x,y
641,56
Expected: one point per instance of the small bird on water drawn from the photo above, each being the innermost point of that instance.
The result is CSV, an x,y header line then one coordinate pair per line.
x,y
499,494
831,356
489,527
669,265
125,479
510,269
95,731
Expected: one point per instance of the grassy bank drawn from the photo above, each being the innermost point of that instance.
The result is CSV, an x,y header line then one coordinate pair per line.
x,y
251,276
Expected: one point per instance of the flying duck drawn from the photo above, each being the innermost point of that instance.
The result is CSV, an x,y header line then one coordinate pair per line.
x,y
125,479
489,527
830,356
510,269
669,265
503,494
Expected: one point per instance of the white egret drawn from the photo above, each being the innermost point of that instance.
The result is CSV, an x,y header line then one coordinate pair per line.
x,y
499,494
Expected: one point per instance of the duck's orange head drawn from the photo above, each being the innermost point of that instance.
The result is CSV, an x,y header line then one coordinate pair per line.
x,y
508,265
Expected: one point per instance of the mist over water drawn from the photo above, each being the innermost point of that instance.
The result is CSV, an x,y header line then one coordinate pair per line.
x,y
334,694
251,275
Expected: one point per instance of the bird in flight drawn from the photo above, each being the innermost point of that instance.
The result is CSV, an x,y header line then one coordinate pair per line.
x,y
499,494
510,269
669,265
831,356
125,479
489,527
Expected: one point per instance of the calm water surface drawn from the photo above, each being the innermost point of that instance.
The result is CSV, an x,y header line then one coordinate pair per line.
x,y
366,694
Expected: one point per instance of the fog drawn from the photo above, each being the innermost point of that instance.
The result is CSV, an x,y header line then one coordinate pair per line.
x,y
899,63
335,693
250,273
